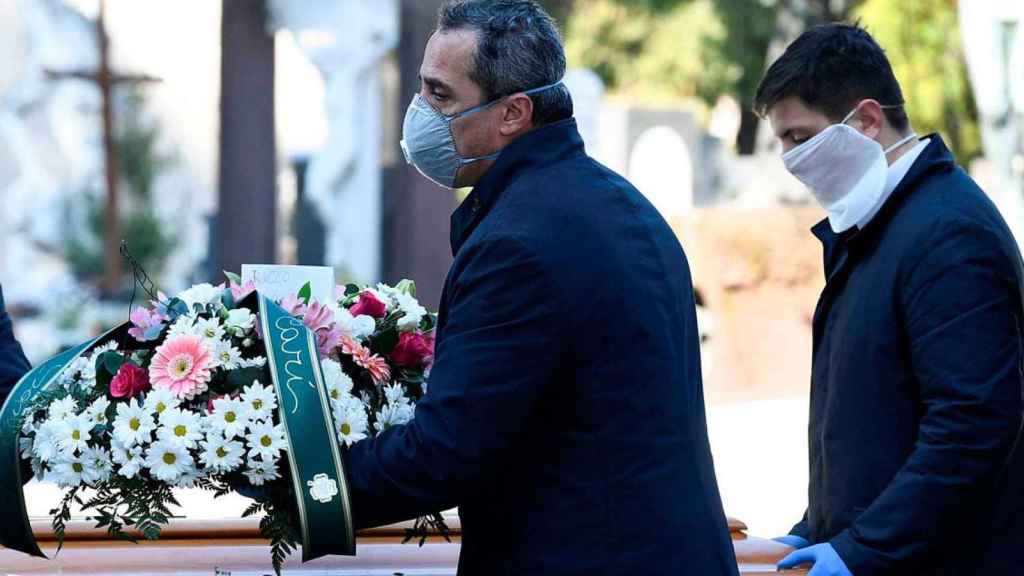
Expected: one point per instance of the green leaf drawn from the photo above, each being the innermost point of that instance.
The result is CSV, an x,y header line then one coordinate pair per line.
x,y
234,278
107,366
352,289
306,292
177,307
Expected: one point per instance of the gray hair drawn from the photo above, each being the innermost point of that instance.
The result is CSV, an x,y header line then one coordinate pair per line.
x,y
518,49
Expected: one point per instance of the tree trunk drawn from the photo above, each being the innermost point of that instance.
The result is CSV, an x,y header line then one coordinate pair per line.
x,y
245,228
746,138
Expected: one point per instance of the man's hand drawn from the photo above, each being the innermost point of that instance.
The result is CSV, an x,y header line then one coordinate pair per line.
x,y
793,541
824,558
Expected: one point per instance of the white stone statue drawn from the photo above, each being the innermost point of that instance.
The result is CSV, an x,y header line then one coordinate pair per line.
x,y
993,33
347,42
48,136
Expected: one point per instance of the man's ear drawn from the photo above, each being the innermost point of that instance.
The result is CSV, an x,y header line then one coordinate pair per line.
x,y
517,116
871,118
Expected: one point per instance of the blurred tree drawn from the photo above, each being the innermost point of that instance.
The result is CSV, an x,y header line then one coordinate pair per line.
x,y
652,54
664,50
923,42
139,162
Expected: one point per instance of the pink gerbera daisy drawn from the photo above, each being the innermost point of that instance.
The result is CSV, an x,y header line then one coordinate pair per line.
x,y
361,355
182,365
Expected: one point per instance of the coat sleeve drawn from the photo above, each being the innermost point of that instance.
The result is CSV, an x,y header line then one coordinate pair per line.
x,y
962,317
802,529
13,364
495,357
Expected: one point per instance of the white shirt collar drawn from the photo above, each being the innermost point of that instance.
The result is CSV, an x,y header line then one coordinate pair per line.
x,y
897,172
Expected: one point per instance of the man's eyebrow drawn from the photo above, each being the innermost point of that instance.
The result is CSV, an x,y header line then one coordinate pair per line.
x,y
435,84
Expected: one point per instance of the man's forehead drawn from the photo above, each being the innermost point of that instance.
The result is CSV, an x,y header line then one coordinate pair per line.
x,y
792,113
448,57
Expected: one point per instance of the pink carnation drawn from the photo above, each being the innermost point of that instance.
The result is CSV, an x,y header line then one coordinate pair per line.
x,y
146,323
318,317
182,365
293,305
240,292
328,340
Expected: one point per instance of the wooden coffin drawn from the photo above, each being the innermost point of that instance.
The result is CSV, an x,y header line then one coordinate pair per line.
x,y
234,547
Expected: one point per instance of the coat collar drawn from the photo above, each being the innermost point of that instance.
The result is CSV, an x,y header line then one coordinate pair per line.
x,y
935,157
534,150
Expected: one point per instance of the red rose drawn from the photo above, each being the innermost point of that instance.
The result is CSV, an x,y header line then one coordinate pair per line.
x,y
369,305
414,350
129,381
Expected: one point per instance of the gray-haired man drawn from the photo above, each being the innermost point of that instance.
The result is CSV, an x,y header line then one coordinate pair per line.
x,y
565,414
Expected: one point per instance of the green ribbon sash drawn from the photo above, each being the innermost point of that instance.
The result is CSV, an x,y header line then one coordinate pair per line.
x,y
318,475
15,529
317,471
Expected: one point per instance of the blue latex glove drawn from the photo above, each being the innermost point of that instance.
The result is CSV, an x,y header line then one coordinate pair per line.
x,y
792,541
824,558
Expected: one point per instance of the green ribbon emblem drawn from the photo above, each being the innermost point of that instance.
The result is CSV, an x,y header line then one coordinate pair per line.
x,y
318,475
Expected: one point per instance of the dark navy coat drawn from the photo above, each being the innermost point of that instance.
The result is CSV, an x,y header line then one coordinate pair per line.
x,y
13,364
916,392
565,412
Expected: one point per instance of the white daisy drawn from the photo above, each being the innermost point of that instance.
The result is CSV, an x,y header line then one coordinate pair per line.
x,y
97,411
201,294
63,408
44,446
129,460
337,383
183,326
414,312
161,399
70,376
74,433
181,427
260,400
395,394
229,417
265,440
209,329
87,377
226,356
257,362
350,424
259,472
167,460
67,472
133,424
220,454
240,322
97,465
393,415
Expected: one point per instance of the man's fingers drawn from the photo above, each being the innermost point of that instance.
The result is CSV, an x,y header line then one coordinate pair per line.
x,y
797,558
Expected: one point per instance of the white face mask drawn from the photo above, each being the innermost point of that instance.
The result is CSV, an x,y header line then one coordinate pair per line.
x,y
844,169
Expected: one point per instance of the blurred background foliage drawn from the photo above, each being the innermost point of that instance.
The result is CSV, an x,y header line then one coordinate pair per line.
x,y
665,51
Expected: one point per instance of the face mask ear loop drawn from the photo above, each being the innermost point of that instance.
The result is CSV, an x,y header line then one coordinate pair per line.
x,y
896,146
